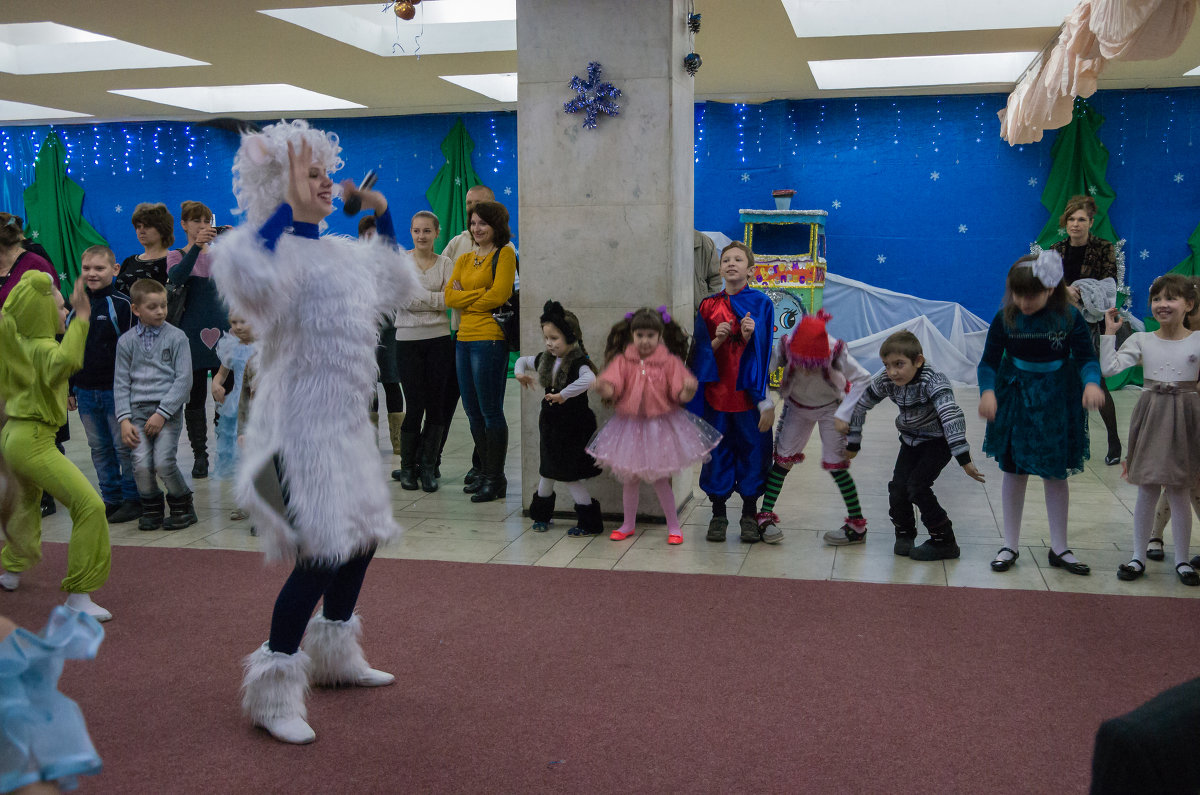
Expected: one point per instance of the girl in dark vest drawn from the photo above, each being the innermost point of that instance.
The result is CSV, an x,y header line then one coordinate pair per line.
x,y
566,422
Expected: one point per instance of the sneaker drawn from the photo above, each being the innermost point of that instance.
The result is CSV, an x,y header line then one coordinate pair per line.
x,y
934,550
904,545
540,527
716,529
750,532
854,531
768,529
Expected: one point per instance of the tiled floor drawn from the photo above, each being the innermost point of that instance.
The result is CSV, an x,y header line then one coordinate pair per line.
x,y
447,526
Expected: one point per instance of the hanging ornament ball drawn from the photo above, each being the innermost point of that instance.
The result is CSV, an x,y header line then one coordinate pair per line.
x,y
413,2
691,63
693,22
405,10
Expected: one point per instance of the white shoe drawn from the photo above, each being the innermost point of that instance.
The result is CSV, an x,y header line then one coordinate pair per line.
x,y
9,580
293,730
84,604
373,677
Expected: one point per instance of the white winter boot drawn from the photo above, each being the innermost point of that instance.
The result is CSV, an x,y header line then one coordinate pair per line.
x,y
337,656
273,692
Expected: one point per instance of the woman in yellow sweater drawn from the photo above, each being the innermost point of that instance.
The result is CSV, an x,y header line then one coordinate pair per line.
x,y
481,282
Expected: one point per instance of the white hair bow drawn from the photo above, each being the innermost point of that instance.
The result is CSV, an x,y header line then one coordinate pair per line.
x,y
1048,268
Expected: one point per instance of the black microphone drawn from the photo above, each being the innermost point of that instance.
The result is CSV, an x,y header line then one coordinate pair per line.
x,y
352,205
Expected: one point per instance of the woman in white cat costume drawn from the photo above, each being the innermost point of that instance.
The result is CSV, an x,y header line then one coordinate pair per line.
x,y
310,475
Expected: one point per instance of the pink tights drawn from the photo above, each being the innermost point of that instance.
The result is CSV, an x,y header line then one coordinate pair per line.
x,y
629,500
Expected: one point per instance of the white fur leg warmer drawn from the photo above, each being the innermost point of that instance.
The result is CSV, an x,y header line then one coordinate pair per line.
x,y
337,656
275,685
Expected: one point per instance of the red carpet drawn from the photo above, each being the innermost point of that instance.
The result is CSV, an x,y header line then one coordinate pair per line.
x,y
517,679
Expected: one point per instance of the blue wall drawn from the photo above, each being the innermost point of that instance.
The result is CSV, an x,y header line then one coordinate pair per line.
x,y
874,157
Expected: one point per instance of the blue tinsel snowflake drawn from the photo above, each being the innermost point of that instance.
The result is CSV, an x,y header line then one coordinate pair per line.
x,y
593,97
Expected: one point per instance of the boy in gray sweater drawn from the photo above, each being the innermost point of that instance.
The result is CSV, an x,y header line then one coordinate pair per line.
x,y
152,381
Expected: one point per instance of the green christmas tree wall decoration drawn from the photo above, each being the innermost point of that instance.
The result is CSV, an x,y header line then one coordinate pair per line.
x,y
1080,163
448,192
1191,265
54,211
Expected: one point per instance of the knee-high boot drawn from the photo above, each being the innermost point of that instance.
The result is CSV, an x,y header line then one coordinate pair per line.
x,y
495,485
431,441
196,422
273,692
475,475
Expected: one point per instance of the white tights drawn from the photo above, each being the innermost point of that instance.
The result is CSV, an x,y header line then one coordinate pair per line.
x,y
579,492
1178,498
1012,496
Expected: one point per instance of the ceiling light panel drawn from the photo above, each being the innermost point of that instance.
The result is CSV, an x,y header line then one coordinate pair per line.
x,y
40,48
1193,72
924,70
23,111
439,27
240,99
500,87
813,18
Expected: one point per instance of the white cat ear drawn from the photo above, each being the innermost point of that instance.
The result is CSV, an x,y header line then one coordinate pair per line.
x,y
256,149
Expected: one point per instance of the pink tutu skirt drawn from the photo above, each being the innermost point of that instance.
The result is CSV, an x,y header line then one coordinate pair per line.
x,y
652,448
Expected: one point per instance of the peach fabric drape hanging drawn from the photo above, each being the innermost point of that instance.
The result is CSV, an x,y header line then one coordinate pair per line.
x,y
1095,32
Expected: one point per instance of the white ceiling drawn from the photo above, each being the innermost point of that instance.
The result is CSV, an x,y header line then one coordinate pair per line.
x,y
750,49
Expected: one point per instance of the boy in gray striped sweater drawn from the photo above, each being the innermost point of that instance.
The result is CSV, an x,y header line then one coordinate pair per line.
x,y
932,429
151,383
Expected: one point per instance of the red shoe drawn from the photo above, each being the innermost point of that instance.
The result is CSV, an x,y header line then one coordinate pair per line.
x,y
674,538
620,535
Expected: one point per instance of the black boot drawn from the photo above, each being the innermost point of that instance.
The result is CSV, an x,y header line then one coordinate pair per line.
x,y
48,506
495,485
474,477
940,546
430,452
587,520
196,423
183,513
152,512
127,511
407,473
541,510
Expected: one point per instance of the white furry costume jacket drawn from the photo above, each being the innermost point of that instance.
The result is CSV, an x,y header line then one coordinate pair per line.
x,y
315,305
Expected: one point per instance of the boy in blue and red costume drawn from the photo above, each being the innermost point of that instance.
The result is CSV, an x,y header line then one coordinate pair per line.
x,y
731,355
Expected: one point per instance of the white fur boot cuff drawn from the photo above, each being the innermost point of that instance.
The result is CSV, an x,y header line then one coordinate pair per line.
x,y
273,693
337,655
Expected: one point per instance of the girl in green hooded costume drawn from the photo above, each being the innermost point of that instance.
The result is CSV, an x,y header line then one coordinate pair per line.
x,y
33,383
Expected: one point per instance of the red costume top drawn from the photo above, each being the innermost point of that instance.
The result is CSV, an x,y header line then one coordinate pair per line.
x,y
723,394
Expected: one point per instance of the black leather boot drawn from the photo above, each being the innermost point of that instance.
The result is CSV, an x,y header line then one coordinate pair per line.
x,y
541,510
940,546
407,473
474,477
152,512
430,451
183,513
196,423
494,484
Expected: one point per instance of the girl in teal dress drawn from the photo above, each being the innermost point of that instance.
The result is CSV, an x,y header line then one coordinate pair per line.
x,y
1037,378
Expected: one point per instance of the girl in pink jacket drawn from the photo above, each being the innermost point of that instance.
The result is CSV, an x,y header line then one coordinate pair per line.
x,y
650,437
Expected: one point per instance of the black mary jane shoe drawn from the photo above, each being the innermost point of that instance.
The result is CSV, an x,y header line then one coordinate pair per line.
x,y
1074,568
1000,564
1155,553
1189,577
1128,572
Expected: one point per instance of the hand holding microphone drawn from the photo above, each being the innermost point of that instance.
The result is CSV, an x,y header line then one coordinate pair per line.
x,y
353,195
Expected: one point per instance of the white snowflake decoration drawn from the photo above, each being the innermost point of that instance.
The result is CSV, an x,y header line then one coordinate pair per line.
x,y
745,177
1145,253
508,191
1178,178
1033,182
933,175
881,259
117,208
962,229
836,204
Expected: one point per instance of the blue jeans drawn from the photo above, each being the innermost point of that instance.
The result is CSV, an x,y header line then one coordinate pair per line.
x,y
112,459
482,369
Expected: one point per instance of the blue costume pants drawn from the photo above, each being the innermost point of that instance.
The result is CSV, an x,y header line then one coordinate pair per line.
x,y
741,460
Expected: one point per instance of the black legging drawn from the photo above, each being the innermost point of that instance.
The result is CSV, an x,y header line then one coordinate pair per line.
x,y
426,369
1108,413
393,398
307,584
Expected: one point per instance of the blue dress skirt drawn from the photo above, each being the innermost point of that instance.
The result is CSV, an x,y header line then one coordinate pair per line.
x,y
1041,427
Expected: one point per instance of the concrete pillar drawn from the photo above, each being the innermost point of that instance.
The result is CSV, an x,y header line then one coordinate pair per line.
x,y
606,214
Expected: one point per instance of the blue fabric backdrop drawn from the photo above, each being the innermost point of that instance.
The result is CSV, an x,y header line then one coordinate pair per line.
x,y
923,196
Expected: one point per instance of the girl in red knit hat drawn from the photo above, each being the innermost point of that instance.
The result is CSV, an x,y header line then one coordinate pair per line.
x,y
821,384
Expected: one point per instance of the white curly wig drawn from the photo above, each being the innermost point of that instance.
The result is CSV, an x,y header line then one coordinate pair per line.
x,y
260,168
